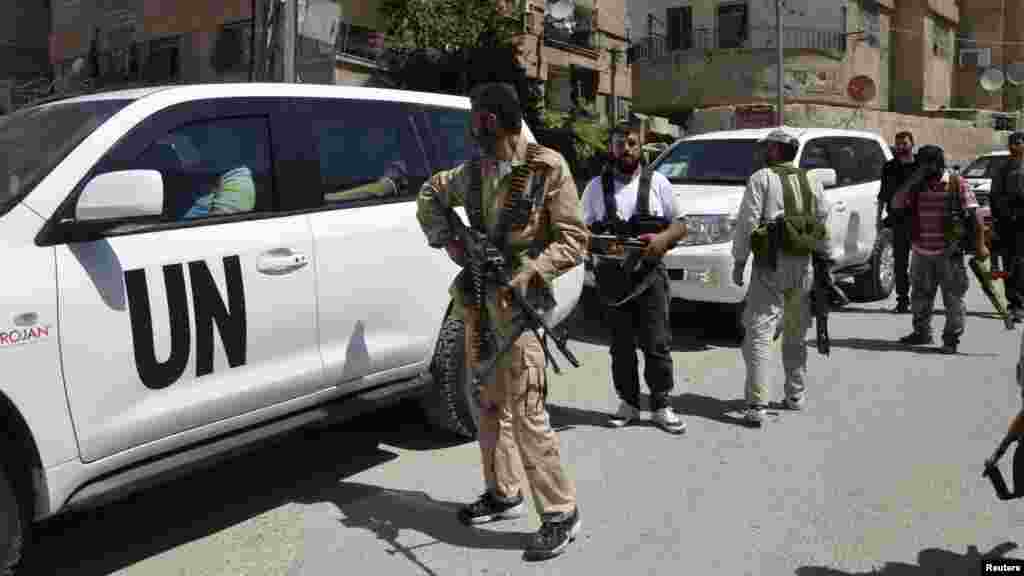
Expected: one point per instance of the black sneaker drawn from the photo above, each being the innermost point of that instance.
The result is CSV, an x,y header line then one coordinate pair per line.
x,y
488,508
917,339
949,345
553,537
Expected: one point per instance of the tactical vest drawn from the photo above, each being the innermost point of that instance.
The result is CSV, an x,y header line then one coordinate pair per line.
x,y
957,224
642,221
797,232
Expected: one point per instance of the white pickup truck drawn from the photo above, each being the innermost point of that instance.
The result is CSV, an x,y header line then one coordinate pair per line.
x,y
196,268
709,173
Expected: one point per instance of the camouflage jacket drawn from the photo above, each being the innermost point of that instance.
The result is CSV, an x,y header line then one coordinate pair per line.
x,y
556,225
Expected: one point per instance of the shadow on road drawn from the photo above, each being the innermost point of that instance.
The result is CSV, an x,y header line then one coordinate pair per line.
x,y
939,313
688,404
695,326
388,513
892,346
697,405
303,466
930,562
566,417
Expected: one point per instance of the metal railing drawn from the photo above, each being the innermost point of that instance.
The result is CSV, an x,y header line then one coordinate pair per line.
x,y
580,37
757,37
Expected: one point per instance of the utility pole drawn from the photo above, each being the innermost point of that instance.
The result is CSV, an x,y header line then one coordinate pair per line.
x,y
288,39
781,58
613,109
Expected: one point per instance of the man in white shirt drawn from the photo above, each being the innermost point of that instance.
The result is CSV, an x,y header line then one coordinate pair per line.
x,y
641,319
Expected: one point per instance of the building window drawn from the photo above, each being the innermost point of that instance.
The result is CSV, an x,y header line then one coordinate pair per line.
x,y
164,60
679,28
232,50
360,41
732,25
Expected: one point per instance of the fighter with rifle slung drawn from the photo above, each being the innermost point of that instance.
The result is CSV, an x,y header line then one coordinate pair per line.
x,y
524,231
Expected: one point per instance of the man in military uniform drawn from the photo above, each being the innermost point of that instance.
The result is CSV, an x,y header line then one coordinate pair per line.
x,y
523,195
781,279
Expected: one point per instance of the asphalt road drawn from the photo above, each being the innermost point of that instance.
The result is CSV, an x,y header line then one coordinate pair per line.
x,y
880,475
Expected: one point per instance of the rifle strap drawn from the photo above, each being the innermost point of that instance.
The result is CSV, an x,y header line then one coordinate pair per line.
x,y
643,193
643,196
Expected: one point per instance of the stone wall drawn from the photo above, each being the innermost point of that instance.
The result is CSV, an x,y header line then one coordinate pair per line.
x,y
962,140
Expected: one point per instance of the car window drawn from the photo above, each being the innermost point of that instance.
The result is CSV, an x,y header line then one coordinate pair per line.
x,y
871,159
711,161
33,141
212,168
985,167
449,137
855,160
369,150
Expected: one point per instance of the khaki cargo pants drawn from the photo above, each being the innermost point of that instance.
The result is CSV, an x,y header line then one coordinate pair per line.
x,y
515,434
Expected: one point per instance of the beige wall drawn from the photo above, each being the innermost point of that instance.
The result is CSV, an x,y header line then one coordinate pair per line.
x,y
939,56
961,140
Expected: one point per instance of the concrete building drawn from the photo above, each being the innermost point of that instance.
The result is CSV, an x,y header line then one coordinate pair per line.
x,y
924,56
992,40
159,41
23,47
572,58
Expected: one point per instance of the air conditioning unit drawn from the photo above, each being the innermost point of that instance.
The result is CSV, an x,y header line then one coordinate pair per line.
x,y
980,57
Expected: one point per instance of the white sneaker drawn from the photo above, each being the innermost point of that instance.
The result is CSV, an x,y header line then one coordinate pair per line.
x,y
794,403
667,419
755,415
625,414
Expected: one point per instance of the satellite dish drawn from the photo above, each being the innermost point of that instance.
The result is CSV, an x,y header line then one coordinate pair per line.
x,y
78,66
992,79
1015,73
861,88
561,10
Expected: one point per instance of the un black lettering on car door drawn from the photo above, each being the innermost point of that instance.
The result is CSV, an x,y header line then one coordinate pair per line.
x,y
208,308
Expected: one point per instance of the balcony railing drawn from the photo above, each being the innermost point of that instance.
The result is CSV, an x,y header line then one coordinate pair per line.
x,y
580,37
758,37
360,42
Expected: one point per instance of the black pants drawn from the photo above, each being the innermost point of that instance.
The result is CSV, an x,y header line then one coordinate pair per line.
x,y
643,322
1011,248
901,258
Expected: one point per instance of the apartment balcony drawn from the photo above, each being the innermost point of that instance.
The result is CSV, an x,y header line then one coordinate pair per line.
x,y
756,38
578,39
360,44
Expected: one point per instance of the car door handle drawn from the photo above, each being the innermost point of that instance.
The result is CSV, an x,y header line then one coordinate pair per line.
x,y
839,206
281,261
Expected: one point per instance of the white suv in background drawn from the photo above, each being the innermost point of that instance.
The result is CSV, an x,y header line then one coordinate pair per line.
x,y
709,173
144,331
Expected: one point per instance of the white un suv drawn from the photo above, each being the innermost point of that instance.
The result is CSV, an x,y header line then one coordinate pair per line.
x,y
196,268
709,173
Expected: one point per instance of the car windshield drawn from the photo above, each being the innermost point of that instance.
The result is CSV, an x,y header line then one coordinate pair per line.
x,y
34,140
711,161
985,167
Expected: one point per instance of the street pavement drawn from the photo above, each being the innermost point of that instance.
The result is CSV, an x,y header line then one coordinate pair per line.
x,y
881,474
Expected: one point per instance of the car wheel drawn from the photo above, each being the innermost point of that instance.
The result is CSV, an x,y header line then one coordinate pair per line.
x,y
13,526
877,283
449,402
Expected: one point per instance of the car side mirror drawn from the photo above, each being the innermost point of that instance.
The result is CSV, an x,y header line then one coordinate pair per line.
x,y
122,194
827,176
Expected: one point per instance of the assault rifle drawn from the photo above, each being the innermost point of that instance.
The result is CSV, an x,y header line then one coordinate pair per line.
x,y
482,252
825,295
